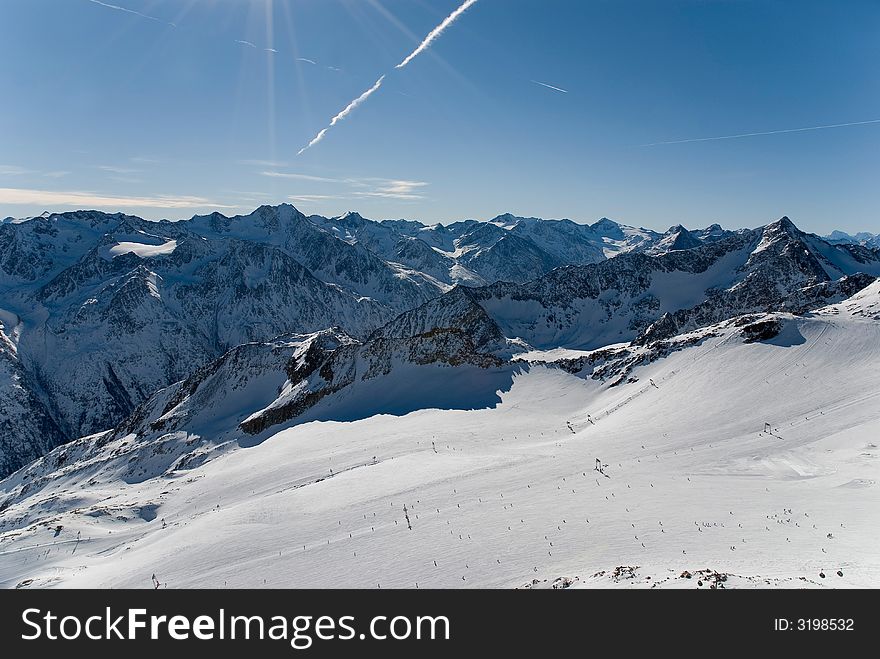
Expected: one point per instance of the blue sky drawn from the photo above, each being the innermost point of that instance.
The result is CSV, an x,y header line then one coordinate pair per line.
x,y
110,109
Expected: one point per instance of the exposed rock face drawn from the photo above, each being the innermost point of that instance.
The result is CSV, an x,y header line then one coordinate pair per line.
x,y
457,310
375,359
763,330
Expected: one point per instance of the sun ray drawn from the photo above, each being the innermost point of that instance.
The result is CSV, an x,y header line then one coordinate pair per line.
x,y
270,78
303,96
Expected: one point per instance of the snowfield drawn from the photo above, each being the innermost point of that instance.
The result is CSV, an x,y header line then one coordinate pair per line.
x,y
727,463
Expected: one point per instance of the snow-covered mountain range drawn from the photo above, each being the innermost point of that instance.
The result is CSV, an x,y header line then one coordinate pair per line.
x,y
861,238
252,401
737,454
100,311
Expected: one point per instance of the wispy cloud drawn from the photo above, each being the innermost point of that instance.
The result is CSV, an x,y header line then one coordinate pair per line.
x,y
300,177
14,170
262,163
308,198
130,11
351,107
270,50
245,43
767,132
113,169
306,60
396,189
355,187
544,84
436,32
84,199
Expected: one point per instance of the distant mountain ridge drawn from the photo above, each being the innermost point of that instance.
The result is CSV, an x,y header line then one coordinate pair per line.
x,y
863,238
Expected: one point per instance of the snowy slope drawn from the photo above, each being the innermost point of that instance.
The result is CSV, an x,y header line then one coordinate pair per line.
x,y
507,495
620,239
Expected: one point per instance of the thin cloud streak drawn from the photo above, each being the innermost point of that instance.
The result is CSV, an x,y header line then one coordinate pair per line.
x,y
300,177
262,163
544,84
83,199
433,36
113,169
436,32
308,198
130,11
245,43
396,189
306,59
14,170
357,188
351,107
767,132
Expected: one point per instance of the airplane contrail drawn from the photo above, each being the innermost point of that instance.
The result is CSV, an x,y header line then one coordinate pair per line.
x,y
342,115
432,36
436,32
544,84
767,132
130,11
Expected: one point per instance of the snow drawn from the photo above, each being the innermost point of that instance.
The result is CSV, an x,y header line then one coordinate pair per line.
x,y
556,354
839,261
144,250
8,320
495,464
682,290
462,275
413,388
506,494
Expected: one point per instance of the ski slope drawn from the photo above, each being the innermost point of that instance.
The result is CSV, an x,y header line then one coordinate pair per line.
x,y
507,496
